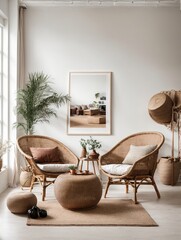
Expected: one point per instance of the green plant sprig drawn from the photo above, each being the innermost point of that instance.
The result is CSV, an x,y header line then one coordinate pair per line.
x,y
72,167
91,143
83,142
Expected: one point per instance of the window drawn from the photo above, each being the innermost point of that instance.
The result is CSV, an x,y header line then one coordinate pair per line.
x,y
3,84
1,81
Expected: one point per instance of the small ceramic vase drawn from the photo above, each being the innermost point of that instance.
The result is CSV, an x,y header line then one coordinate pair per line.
x,y
93,155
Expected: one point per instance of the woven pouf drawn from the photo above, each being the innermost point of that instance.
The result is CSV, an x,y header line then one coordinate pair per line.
x,y
78,191
20,202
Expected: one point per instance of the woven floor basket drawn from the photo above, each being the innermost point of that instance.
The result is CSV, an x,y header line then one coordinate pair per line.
x,y
168,171
25,179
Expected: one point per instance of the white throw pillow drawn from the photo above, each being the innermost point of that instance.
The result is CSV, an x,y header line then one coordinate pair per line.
x,y
137,152
55,167
116,169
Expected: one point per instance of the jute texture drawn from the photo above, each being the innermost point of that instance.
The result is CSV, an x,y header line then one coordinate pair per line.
x,y
109,212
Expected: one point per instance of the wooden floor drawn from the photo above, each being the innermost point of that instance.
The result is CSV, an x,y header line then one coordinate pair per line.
x,y
166,212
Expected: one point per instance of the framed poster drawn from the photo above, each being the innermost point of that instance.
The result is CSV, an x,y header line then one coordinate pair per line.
x,y
89,111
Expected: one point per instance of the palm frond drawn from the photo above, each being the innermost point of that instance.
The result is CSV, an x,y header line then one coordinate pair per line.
x,y
35,100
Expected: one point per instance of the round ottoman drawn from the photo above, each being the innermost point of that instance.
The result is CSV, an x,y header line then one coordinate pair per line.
x,y
20,202
78,191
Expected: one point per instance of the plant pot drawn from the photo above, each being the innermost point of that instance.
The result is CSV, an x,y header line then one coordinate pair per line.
x,y
25,178
73,171
169,170
86,172
93,155
1,164
83,153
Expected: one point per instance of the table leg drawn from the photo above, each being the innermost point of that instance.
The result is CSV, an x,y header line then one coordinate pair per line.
x,y
93,167
99,170
87,165
81,166
97,164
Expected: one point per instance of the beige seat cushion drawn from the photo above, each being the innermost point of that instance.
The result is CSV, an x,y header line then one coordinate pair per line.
x,y
56,167
137,152
116,169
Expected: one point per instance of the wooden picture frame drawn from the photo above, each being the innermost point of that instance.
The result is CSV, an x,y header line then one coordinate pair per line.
x,y
89,111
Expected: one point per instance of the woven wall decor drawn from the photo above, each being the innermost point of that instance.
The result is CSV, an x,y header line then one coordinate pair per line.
x,y
165,108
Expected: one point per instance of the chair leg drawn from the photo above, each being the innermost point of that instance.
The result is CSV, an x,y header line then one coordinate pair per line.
x,y
107,186
44,188
87,165
32,182
135,192
81,165
127,186
155,187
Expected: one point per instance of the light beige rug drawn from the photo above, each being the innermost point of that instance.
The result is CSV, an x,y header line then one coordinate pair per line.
x,y
109,212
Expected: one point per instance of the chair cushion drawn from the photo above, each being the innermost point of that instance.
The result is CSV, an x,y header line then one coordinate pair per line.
x,y
45,155
55,167
116,169
137,152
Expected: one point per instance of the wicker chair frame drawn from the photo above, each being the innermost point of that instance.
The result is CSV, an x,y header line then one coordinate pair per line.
x,y
142,171
45,178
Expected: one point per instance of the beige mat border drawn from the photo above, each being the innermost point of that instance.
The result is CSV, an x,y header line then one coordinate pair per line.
x,y
109,212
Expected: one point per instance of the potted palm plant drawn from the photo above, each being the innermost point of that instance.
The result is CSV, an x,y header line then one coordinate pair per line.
x,y
34,105
35,102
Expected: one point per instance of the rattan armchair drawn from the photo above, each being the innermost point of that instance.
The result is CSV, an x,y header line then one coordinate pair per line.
x,y
142,171
24,144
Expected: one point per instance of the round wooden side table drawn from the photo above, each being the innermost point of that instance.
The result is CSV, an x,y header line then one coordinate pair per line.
x,y
87,160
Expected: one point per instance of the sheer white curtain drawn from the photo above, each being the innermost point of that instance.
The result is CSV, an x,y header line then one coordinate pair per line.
x,y
17,161
21,80
13,172
21,48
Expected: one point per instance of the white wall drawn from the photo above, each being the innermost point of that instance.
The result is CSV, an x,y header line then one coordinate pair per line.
x,y
141,46
83,90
